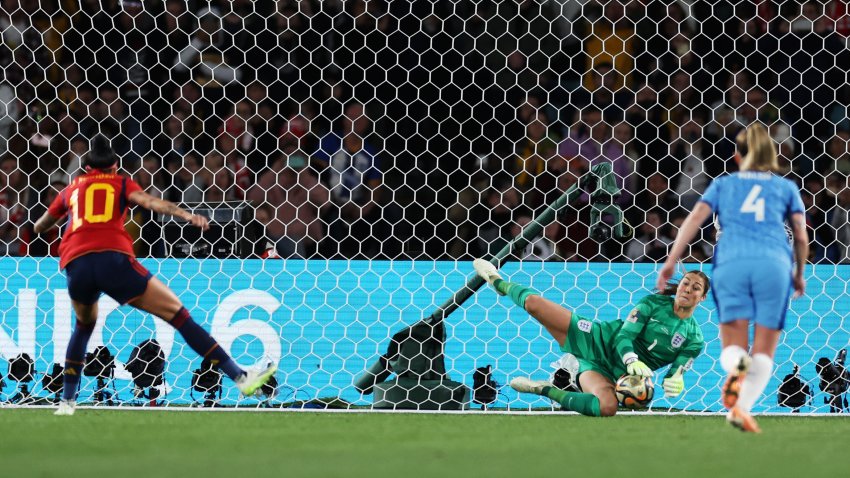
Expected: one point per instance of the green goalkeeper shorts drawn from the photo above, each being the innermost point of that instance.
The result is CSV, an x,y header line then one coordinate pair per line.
x,y
584,341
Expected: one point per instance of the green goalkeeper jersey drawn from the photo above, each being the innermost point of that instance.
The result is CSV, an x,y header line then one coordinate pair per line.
x,y
653,332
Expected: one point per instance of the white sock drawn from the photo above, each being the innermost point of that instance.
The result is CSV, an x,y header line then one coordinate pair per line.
x,y
755,382
731,357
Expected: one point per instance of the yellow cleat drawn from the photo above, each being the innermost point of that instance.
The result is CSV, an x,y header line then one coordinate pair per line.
x,y
249,383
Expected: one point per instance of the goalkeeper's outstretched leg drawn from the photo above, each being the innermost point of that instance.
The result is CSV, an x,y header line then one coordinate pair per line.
x,y
600,402
554,318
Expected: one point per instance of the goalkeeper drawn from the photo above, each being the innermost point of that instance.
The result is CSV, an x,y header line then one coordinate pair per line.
x,y
659,331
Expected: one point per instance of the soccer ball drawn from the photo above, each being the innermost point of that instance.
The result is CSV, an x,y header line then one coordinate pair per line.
x,y
634,392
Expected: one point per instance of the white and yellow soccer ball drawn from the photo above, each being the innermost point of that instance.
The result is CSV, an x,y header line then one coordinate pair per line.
x,y
634,392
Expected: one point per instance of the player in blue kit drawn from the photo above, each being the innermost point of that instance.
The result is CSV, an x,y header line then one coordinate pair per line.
x,y
755,268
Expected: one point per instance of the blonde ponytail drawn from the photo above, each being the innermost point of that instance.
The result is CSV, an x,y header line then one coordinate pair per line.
x,y
761,150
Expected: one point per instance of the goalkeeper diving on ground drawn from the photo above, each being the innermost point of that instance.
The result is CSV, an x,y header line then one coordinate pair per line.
x,y
659,331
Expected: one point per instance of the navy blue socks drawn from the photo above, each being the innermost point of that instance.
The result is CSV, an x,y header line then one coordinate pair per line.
x,y
74,358
203,344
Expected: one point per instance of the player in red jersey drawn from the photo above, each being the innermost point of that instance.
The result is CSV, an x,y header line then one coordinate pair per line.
x,y
97,255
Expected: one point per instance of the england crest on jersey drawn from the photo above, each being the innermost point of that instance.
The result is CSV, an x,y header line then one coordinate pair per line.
x,y
678,340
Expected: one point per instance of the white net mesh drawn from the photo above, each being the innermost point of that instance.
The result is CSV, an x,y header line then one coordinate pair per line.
x,y
380,146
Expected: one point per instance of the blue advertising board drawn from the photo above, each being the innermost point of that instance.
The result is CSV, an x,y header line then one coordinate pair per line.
x,y
325,322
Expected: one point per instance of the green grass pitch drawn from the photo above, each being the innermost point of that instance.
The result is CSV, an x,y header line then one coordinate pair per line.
x,y
130,444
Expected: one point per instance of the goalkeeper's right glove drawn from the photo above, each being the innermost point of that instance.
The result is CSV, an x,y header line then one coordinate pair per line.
x,y
635,367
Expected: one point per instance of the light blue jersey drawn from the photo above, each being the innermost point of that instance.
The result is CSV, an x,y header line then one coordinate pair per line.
x,y
752,258
752,208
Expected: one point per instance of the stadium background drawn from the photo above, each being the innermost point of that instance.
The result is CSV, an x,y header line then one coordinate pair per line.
x,y
468,118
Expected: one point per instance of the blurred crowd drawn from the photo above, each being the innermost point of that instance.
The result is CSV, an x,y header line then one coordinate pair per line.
x,y
423,129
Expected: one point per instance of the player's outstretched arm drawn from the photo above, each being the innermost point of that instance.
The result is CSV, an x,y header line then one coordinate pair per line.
x,y
623,342
690,226
801,251
45,223
161,206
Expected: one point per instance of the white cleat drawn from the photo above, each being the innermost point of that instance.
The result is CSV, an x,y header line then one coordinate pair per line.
x,y
249,383
66,408
527,385
487,271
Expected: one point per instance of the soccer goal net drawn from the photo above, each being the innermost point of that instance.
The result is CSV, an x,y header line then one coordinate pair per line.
x,y
354,157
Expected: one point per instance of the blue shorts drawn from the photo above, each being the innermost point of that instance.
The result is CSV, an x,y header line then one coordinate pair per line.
x,y
117,275
757,290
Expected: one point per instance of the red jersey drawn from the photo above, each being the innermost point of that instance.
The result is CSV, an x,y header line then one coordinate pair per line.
x,y
97,207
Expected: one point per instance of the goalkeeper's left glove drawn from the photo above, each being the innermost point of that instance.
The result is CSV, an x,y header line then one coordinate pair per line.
x,y
635,367
674,384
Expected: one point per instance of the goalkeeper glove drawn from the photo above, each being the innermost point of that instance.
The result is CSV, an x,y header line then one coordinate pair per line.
x,y
635,366
674,384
